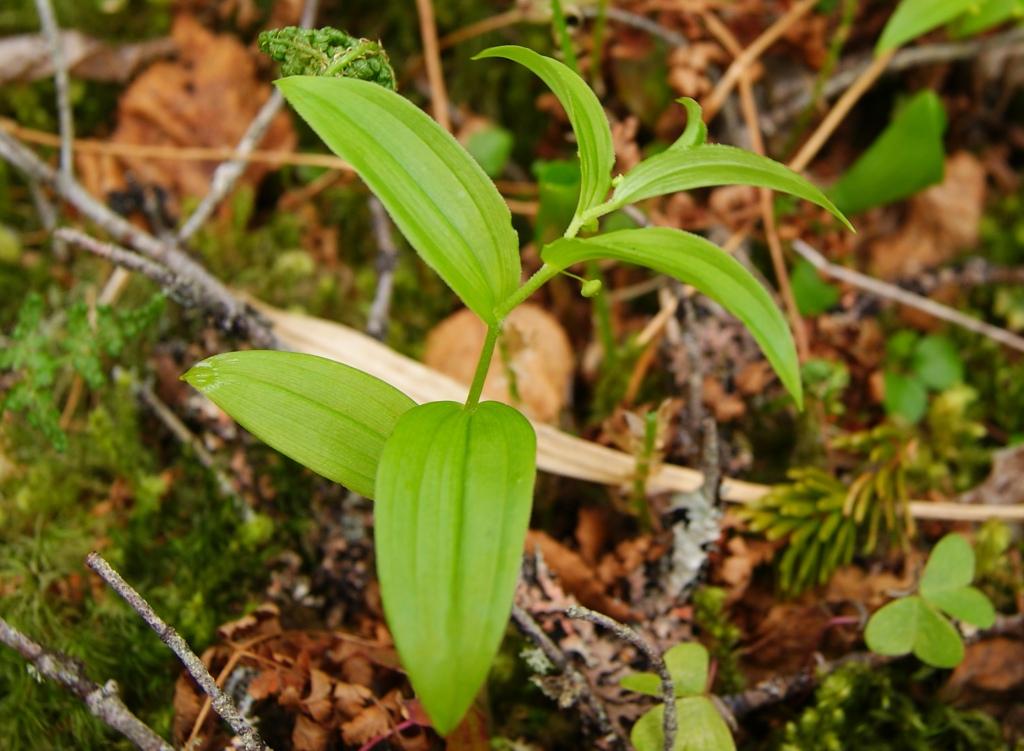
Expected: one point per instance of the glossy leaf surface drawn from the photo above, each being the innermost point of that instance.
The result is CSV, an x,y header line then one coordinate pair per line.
x,y
437,194
696,261
912,18
454,490
330,417
907,157
589,123
678,169
701,728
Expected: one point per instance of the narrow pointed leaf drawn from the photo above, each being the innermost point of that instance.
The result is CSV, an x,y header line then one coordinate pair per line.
x,y
892,629
700,728
437,194
678,169
330,417
593,135
454,489
986,14
694,260
950,566
912,18
966,604
688,664
937,643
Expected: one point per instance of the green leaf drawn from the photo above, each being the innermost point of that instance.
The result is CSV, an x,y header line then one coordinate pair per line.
x,y
985,14
491,147
694,260
912,625
937,362
437,194
454,489
937,644
678,169
642,683
700,728
558,191
907,157
696,132
688,665
905,396
912,18
593,136
330,417
892,629
813,294
950,566
966,604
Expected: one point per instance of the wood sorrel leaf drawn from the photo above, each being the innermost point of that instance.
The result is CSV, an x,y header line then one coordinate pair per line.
x,y
678,169
912,18
454,489
950,566
966,604
912,625
696,261
437,194
330,417
688,665
701,728
593,135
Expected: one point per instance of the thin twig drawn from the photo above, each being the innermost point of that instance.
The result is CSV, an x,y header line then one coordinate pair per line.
x,y
222,703
227,173
902,296
122,257
533,631
48,21
387,258
432,57
839,111
750,55
641,23
668,695
103,701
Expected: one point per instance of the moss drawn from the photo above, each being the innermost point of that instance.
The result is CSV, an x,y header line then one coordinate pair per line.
x,y
721,636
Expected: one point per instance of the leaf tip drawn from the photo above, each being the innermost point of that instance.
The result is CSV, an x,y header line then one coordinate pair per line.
x,y
201,376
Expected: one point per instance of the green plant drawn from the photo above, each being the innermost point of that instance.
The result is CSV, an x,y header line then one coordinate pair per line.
x,y
912,18
724,637
702,727
916,365
454,481
915,623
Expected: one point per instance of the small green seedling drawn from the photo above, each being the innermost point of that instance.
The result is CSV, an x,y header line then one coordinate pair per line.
x,y
701,727
914,367
915,623
454,482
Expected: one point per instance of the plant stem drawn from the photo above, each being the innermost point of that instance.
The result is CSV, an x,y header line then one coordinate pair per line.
x,y
542,276
482,366
603,317
562,29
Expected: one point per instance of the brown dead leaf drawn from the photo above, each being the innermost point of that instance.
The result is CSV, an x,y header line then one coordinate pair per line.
x,y
725,405
754,377
207,97
854,584
940,221
351,698
579,579
591,531
187,703
318,703
471,734
539,357
309,735
742,557
372,722
991,665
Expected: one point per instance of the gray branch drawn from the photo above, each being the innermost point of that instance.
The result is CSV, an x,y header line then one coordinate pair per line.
x,y
103,701
668,693
227,173
387,257
221,702
48,21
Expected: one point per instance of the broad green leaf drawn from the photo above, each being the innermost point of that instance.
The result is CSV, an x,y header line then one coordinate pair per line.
x,y
907,157
985,14
937,362
491,146
966,604
813,294
904,396
454,489
950,566
694,260
937,643
892,629
678,169
912,18
688,665
330,417
700,728
437,194
642,683
593,135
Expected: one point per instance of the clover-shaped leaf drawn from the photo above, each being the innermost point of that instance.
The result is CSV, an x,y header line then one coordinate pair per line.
x,y
914,624
687,664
